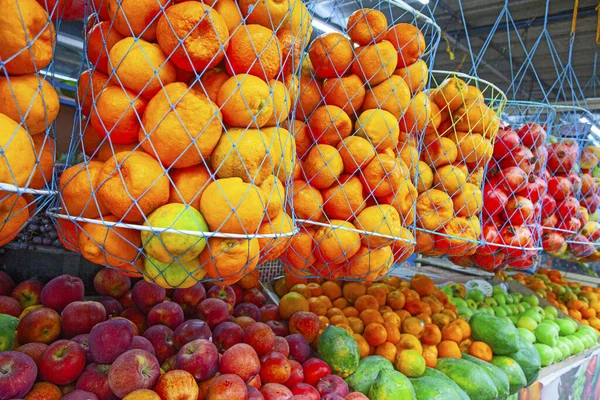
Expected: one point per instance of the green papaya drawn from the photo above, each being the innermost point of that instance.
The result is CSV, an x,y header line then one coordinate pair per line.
x,y
428,388
366,373
496,374
470,377
8,327
391,385
503,338
513,370
434,373
529,359
338,349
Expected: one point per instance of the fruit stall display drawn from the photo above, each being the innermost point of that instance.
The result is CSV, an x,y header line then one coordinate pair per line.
x,y
29,105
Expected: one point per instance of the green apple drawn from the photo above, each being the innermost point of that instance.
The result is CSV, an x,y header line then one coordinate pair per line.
x,y
546,334
510,299
448,291
500,312
527,322
564,326
551,322
471,304
551,311
475,294
500,298
532,300
506,309
526,335
525,305
458,302
517,297
490,301
589,330
514,319
465,311
532,314
520,307
546,354
558,354
498,290
565,346
578,345
539,310
514,309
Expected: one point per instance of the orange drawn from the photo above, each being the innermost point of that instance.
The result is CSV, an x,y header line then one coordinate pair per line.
x,y
337,242
435,305
402,199
188,184
300,254
393,329
367,26
425,316
409,293
468,201
357,325
410,363
323,166
137,18
380,291
384,173
375,334
331,55
340,302
194,35
452,332
414,306
109,245
460,234
396,300
176,135
134,63
346,92
387,350
369,316
275,195
476,118
30,101
211,82
18,153
409,342
307,201
450,179
440,152
365,302
382,220
117,114
92,141
385,310
418,114
353,290
409,42
100,39
575,314
271,248
344,200
21,23
339,320
392,95
245,100
588,313
434,209
281,103
481,350
301,288
415,75
45,147
576,304
376,62
413,326
473,148
282,149
108,150
229,259
142,394
350,311
379,127
448,349
317,307
77,185
363,345
422,284
250,280
44,391
14,214
464,327
430,354
451,314
432,335
332,312
369,264
291,49
255,50
324,322
100,7
356,152
233,206
293,302
331,290
329,125
450,93
89,86
304,140
309,97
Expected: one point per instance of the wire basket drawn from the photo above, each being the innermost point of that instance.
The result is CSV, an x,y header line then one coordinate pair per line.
x,y
515,199
359,118
453,163
29,104
182,155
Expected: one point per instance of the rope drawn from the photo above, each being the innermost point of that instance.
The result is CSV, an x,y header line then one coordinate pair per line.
x,y
449,48
598,25
574,22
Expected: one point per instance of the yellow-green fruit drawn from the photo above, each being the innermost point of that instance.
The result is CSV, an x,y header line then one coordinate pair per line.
x,y
176,274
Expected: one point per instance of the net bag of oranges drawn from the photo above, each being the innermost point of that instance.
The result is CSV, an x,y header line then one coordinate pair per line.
x,y
29,105
456,148
188,153
358,121
515,199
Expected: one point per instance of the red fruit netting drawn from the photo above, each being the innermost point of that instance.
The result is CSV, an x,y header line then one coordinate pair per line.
x,y
362,108
514,196
182,156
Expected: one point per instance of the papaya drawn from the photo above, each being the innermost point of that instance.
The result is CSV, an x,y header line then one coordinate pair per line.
x,y
470,377
366,373
428,388
529,359
434,373
512,369
498,376
8,326
338,349
391,385
503,338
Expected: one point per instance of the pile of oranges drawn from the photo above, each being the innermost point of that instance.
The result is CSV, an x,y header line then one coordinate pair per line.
x,y
183,118
358,117
411,323
28,107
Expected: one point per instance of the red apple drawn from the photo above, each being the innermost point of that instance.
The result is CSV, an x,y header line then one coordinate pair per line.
x,y
274,368
315,369
94,379
254,296
146,295
62,290
243,321
270,312
127,300
227,387
41,325
356,396
227,334
109,282
332,384
332,396
307,390
110,339
133,370
161,338
239,292
225,293
17,374
279,328
169,364
177,385
83,341
299,348
136,331
255,382
190,330
112,306
80,317
281,346
80,395
10,306
62,362
168,313
33,350
28,292
254,393
305,323
248,309
260,337
296,374
6,284
242,360
140,342
190,298
200,358
275,391
213,311
298,397
137,317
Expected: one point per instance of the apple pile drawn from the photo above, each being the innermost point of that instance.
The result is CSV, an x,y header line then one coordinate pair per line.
x,y
142,342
